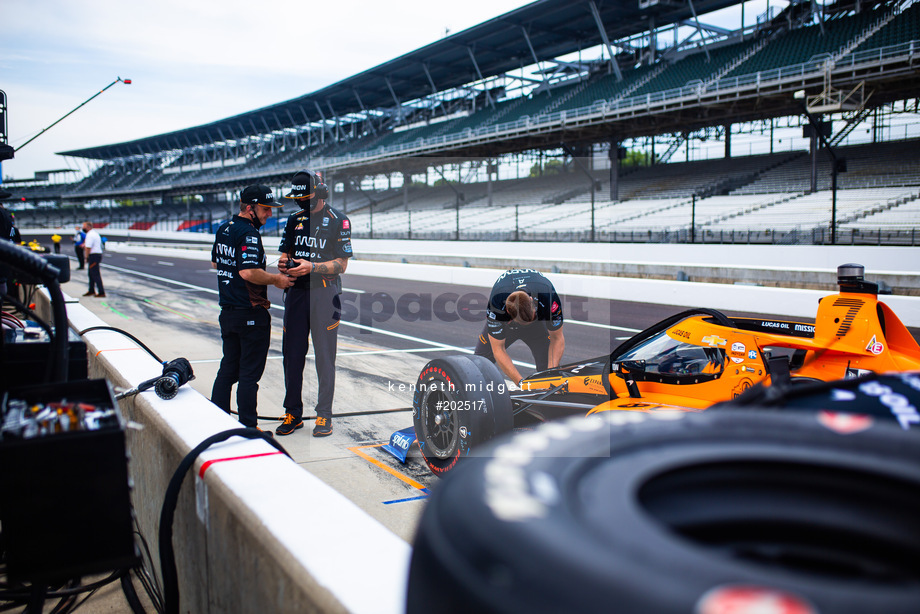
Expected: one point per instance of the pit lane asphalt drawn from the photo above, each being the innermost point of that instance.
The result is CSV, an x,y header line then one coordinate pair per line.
x,y
170,304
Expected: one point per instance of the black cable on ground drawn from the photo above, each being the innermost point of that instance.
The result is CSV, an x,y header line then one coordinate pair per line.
x,y
171,498
127,587
34,596
148,581
347,414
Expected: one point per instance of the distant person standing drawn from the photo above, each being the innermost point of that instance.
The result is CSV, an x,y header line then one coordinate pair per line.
x,y
245,324
315,249
92,248
78,238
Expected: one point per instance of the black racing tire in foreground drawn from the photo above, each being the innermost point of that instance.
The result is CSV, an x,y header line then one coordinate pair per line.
x,y
460,402
676,512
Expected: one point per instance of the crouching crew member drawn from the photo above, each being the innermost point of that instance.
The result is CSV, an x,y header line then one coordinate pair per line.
x,y
315,249
523,305
245,324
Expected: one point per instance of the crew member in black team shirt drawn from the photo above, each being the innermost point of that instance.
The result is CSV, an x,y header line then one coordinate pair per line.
x,y
523,305
315,249
245,324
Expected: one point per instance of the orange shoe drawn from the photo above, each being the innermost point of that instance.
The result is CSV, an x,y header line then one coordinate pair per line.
x,y
289,425
323,427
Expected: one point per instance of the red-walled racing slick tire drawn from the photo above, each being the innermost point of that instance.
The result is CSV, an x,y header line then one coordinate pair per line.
x,y
460,402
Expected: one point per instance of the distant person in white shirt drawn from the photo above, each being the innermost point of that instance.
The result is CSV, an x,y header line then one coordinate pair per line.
x,y
92,247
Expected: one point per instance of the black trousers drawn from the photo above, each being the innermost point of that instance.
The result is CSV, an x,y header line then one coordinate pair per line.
x,y
315,313
95,274
534,336
78,250
246,335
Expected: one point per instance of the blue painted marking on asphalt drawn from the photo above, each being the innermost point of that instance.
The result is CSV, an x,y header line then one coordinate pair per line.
x,y
425,496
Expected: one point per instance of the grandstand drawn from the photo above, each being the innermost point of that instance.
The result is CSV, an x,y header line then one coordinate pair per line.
x,y
453,140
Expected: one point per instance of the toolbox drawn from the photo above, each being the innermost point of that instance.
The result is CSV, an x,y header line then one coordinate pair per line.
x,y
65,504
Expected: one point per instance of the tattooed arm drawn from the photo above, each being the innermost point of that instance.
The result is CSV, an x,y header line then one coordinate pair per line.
x,y
329,267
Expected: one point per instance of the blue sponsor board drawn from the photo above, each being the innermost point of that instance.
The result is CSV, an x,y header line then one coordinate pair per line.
x,y
400,443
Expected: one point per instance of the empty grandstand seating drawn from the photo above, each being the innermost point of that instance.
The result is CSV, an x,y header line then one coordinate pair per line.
x,y
758,193
904,28
806,44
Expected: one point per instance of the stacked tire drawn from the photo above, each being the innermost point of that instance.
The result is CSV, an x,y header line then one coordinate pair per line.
x,y
671,512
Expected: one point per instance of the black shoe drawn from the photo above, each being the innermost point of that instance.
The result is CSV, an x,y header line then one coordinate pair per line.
x,y
323,427
289,425
266,433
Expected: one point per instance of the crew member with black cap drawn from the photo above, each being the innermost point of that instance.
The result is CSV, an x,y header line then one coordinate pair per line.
x,y
315,249
523,305
245,324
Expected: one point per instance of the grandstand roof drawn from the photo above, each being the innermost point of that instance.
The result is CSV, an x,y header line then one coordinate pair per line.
x,y
553,28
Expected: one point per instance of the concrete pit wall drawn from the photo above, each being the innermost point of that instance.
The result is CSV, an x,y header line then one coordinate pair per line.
x,y
234,550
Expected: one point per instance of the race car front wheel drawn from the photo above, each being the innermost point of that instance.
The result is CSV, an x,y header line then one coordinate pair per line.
x,y
676,512
459,402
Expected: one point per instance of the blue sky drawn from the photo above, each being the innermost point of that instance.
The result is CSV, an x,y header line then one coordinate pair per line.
x,y
192,61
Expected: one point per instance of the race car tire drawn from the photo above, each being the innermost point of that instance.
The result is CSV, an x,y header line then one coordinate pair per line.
x,y
676,512
459,403
502,410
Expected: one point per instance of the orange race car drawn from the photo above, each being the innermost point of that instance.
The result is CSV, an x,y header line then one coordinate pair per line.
x,y
689,361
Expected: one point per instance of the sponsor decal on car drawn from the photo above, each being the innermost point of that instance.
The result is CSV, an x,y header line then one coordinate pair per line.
x,y
713,341
741,387
875,346
593,383
738,347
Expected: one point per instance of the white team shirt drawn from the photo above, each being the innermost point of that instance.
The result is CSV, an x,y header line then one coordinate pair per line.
x,y
93,242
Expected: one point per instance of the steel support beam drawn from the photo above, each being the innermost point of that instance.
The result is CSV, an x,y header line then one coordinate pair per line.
x,y
603,33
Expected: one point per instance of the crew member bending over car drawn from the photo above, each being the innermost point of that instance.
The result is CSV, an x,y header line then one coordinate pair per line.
x,y
523,305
